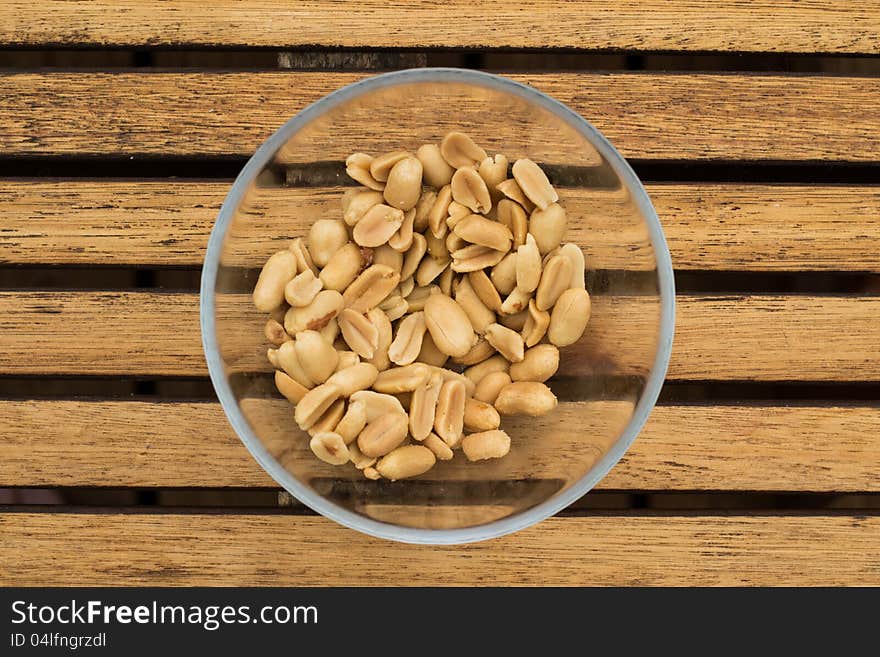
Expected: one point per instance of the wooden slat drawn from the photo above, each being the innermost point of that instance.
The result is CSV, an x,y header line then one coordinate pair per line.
x,y
213,550
785,26
177,444
708,226
717,337
652,116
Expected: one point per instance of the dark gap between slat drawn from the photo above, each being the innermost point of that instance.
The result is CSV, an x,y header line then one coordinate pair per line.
x,y
266,500
156,389
181,57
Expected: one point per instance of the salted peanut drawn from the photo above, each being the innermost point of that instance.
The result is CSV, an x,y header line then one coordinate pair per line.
x,y
406,286
534,183
347,359
303,289
413,257
479,316
528,266
525,398
330,331
381,166
329,447
469,189
377,225
516,302
377,404
474,257
394,307
485,290
301,252
516,321
417,298
554,281
512,216
316,315
449,325
575,257
503,275
326,237
316,356
478,353
569,317
383,434
423,404
372,474
497,363
423,209
272,357
449,414
457,212
454,242
548,226
357,166
403,238
342,268
288,360
493,170
429,269
450,375
369,289
506,341
535,327
290,388
358,204
353,422
430,354
279,269
510,189
358,459
387,256
479,230
439,212
480,416
441,450
539,364
436,246
459,150
380,320
314,403
404,186
275,333
490,385
486,445
445,281
352,379
359,333
402,379
436,170
329,420
407,461
408,342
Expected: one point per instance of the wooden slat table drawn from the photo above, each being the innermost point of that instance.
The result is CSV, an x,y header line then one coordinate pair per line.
x,y
760,464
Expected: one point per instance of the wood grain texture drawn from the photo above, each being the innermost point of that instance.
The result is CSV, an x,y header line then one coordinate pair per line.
x,y
717,337
707,226
649,116
179,444
786,26
250,550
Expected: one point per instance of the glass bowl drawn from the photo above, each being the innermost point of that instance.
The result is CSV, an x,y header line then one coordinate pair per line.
x,y
607,383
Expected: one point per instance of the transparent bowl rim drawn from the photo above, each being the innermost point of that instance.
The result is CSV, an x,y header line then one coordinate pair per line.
x,y
322,505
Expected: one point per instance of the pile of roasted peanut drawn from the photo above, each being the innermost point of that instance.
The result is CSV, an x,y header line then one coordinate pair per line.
x,y
437,304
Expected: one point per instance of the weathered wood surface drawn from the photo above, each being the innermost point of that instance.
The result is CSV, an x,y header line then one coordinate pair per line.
x,y
57,549
188,444
708,226
646,115
686,25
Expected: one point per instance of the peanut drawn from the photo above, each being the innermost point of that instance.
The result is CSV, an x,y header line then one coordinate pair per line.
x,y
441,450
449,325
404,186
383,434
324,307
506,341
539,364
449,414
352,379
406,345
525,398
569,317
357,166
276,273
423,406
490,385
486,445
326,237
406,461
317,357
435,170
353,422
469,189
459,150
381,166
480,416
534,183
330,448
402,379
